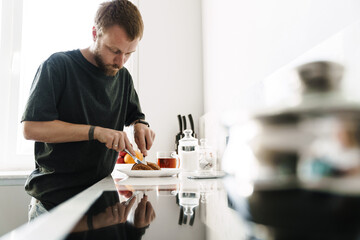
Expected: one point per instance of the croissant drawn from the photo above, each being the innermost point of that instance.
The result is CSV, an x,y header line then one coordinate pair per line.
x,y
154,166
140,166
149,166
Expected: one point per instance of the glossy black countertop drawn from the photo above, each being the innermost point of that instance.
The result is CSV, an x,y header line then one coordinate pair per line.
x,y
175,208
182,208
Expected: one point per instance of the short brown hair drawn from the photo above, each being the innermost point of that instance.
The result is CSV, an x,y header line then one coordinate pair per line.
x,y
122,13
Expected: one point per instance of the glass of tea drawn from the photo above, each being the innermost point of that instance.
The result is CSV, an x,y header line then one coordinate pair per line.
x,y
168,159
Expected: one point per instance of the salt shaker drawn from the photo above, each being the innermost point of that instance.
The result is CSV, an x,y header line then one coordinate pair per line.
x,y
188,152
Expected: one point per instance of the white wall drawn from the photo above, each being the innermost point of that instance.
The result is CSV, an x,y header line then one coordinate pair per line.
x,y
245,41
343,47
170,62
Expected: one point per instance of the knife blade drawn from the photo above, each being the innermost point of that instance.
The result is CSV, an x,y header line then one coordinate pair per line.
x,y
134,157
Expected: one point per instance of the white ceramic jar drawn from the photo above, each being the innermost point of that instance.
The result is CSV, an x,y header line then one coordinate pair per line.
x,y
188,152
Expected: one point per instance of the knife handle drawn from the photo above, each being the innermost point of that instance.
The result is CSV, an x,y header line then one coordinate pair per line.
x,y
180,123
184,122
191,120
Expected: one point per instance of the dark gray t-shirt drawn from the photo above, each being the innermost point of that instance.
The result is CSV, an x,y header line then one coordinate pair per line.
x,y
69,88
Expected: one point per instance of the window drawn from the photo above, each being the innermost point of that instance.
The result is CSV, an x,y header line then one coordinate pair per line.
x,y
30,32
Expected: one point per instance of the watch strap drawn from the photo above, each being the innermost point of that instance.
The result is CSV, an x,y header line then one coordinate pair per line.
x,y
91,133
142,122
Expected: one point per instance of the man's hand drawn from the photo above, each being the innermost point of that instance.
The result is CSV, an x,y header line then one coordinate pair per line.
x,y
113,139
113,215
144,213
144,137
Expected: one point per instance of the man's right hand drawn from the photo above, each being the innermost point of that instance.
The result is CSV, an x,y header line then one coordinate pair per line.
x,y
113,139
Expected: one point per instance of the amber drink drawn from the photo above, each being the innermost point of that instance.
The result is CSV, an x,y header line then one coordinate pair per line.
x,y
167,159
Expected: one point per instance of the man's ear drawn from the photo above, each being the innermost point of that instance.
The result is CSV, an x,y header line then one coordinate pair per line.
x,y
94,33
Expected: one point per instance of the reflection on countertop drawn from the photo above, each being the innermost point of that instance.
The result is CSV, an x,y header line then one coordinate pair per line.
x,y
182,209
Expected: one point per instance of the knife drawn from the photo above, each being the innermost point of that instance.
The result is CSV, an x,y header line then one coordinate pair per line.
x,y
135,158
180,134
184,122
180,123
191,120
132,196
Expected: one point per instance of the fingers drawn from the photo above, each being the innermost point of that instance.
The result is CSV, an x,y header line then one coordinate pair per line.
x,y
109,211
144,199
150,214
144,213
129,206
116,143
113,139
121,212
144,137
128,146
141,208
140,141
120,141
150,136
153,136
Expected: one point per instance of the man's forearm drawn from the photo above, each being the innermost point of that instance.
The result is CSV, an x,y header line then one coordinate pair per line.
x,y
55,131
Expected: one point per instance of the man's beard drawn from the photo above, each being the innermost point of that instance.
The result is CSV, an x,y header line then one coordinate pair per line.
x,y
108,69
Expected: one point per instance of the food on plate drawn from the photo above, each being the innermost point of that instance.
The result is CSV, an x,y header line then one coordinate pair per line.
x,y
140,166
149,166
129,159
154,166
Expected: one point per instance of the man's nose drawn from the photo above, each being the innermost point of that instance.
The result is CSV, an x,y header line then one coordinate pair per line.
x,y
120,59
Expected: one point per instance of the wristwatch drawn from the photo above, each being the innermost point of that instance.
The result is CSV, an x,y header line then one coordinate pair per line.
x,y
142,121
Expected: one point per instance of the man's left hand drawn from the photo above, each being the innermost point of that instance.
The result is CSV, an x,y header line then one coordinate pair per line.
x,y
144,137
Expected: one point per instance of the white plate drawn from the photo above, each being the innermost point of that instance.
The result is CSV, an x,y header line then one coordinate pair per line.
x,y
168,172
124,166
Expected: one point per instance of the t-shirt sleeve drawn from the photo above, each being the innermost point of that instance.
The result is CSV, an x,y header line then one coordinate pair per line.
x,y
133,110
44,95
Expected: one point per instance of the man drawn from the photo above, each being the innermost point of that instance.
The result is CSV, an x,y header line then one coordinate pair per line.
x,y
79,103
